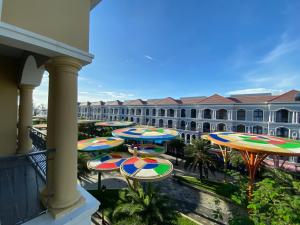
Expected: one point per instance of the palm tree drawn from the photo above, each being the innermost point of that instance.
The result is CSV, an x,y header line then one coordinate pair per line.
x,y
177,145
197,156
144,207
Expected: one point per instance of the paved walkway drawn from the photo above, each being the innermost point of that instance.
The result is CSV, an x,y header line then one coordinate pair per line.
x,y
196,204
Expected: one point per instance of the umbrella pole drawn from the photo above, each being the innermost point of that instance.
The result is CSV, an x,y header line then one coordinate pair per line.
x,y
99,181
252,161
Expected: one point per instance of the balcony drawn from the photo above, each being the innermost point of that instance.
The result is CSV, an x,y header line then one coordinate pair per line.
x,y
22,177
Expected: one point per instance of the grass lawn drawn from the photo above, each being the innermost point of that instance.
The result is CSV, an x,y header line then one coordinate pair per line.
x,y
185,221
223,189
110,199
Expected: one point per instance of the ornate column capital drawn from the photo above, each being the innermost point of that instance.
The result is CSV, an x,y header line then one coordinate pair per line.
x,y
64,64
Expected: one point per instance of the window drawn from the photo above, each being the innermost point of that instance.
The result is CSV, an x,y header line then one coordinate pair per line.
x,y
182,112
282,116
193,126
241,128
257,130
193,113
221,114
171,112
221,127
153,112
258,115
207,114
161,123
282,132
182,125
241,114
206,127
170,124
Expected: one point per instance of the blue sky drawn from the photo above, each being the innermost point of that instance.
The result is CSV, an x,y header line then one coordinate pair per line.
x,y
159,48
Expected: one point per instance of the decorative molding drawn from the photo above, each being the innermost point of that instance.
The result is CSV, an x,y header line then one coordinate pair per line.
x,y
23,39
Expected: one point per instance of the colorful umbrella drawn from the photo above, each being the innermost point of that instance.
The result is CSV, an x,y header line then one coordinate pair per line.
x,y
108,162
114,124
256,143
254,148
99,143
147,150
146,133
146,169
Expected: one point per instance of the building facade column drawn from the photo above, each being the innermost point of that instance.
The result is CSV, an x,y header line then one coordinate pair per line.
x,y
25,118
63,131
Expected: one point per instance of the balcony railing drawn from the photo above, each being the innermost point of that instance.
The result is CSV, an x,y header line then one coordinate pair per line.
x,y
22,177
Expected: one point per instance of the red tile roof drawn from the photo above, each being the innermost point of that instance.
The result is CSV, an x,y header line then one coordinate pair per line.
x,y
252,99
117,102
167,101
134,102
286,97
216,99
192,100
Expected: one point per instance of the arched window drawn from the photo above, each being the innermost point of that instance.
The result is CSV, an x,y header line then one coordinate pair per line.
x,y
221,127
153,112
188,138
258,115
257,130
170,123
193,126
241,128
161,123
182,125
182,112
137,120
193,113
131,119
161,112
171,112
221,114
138,112
241,114
207,113
131,111
182,136
206,127
282,132
147,112
282,116
153,122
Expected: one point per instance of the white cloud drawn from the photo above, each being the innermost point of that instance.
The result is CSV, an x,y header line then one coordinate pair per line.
x,y
254,91
274,81
283,48
149,57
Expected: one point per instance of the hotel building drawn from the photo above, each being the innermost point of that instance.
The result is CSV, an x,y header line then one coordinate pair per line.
x,y
277,115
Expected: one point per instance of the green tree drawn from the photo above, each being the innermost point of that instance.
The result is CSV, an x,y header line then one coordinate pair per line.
x,y
276,200
177,145
197,156
144,207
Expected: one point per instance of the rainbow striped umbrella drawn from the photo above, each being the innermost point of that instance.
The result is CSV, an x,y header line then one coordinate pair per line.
x,y
146,133
146,169
98,144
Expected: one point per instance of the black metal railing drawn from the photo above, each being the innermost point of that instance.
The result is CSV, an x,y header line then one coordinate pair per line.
x,y
20,186
22,177
39,143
